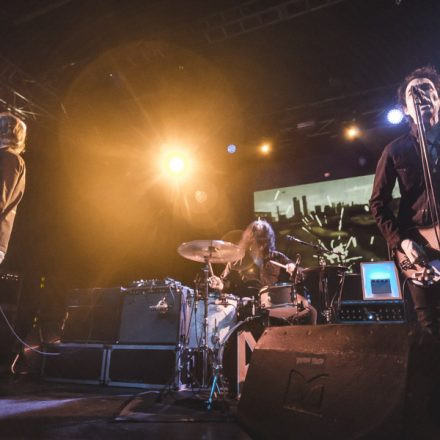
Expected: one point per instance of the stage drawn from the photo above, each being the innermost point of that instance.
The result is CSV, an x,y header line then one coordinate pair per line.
x,y
34,409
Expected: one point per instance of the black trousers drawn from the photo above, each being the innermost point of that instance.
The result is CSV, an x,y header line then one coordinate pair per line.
x,y
427,306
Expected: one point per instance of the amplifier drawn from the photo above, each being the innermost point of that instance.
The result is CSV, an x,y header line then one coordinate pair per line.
x,y
154,314
372,311
10,288
10,291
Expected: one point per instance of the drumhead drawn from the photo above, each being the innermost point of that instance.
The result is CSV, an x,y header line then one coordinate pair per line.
x,y
222,315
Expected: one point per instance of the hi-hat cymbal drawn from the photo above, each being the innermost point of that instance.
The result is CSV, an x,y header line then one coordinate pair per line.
x,y
212,251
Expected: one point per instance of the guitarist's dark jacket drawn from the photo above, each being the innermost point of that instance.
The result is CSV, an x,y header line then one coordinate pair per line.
x,y
12,183
401,161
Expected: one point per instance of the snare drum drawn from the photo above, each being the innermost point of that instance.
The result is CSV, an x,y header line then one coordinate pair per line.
x,y
279,299
222,316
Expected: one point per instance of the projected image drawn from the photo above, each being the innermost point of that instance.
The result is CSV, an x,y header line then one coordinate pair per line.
x,y
333,214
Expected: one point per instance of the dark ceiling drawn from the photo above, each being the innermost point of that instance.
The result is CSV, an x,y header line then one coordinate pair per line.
x,y
279,56
235,71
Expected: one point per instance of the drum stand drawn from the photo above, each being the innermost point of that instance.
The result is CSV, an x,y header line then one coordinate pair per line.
x,y
327,310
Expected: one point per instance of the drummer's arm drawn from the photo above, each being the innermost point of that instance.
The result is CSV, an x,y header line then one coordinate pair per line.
x,y
216,283
280,258
307,306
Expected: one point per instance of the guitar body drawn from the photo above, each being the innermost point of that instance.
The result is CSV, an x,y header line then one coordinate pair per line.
x,y
419,273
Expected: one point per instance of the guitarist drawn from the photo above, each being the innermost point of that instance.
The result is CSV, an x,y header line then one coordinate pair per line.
x,y
401,161
12,174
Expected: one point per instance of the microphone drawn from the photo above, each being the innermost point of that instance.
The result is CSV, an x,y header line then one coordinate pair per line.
x,y
297,240
292,238
417,94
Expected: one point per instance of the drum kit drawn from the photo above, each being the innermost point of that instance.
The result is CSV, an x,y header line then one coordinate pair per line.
x,y
217,335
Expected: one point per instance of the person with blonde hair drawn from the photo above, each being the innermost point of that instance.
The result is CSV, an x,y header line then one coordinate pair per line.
x,y
268,267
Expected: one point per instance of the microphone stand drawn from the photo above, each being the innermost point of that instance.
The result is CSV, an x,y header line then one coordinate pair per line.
x,y
427,176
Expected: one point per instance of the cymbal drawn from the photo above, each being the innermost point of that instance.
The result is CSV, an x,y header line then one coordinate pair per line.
x,y
212,251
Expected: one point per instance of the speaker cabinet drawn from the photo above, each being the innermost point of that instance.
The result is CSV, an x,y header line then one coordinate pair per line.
x,y
342,381
143,321
75,363
92,315
145,366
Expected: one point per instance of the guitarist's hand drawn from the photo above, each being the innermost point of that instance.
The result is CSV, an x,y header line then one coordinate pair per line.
x,y
414,252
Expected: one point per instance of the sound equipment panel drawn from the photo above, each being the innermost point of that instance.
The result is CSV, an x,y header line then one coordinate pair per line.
x,y
339,381
371,311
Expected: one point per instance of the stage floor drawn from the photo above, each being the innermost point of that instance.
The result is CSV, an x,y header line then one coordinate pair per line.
x,y
31,408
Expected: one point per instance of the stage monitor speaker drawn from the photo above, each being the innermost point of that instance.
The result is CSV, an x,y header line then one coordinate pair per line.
x,y
152,315
342,381
92,315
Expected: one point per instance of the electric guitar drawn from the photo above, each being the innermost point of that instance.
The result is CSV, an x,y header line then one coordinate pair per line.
x,y
425,271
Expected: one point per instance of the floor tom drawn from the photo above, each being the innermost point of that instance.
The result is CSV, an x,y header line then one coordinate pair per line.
x,y
279,300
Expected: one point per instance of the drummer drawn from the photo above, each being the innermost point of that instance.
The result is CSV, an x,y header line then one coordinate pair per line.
x,y
258,241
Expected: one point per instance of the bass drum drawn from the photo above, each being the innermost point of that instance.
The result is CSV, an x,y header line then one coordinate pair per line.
x,y
236,350
222,316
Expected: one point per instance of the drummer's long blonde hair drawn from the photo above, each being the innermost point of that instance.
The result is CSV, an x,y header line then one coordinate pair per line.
x,y
260,236
259,239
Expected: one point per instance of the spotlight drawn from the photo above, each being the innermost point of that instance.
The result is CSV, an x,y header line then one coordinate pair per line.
x,y
395,116
231,148
176,164
352,132
265,149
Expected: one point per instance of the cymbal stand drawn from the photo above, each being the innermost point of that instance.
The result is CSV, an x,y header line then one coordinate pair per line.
x,y
205,348
216,385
